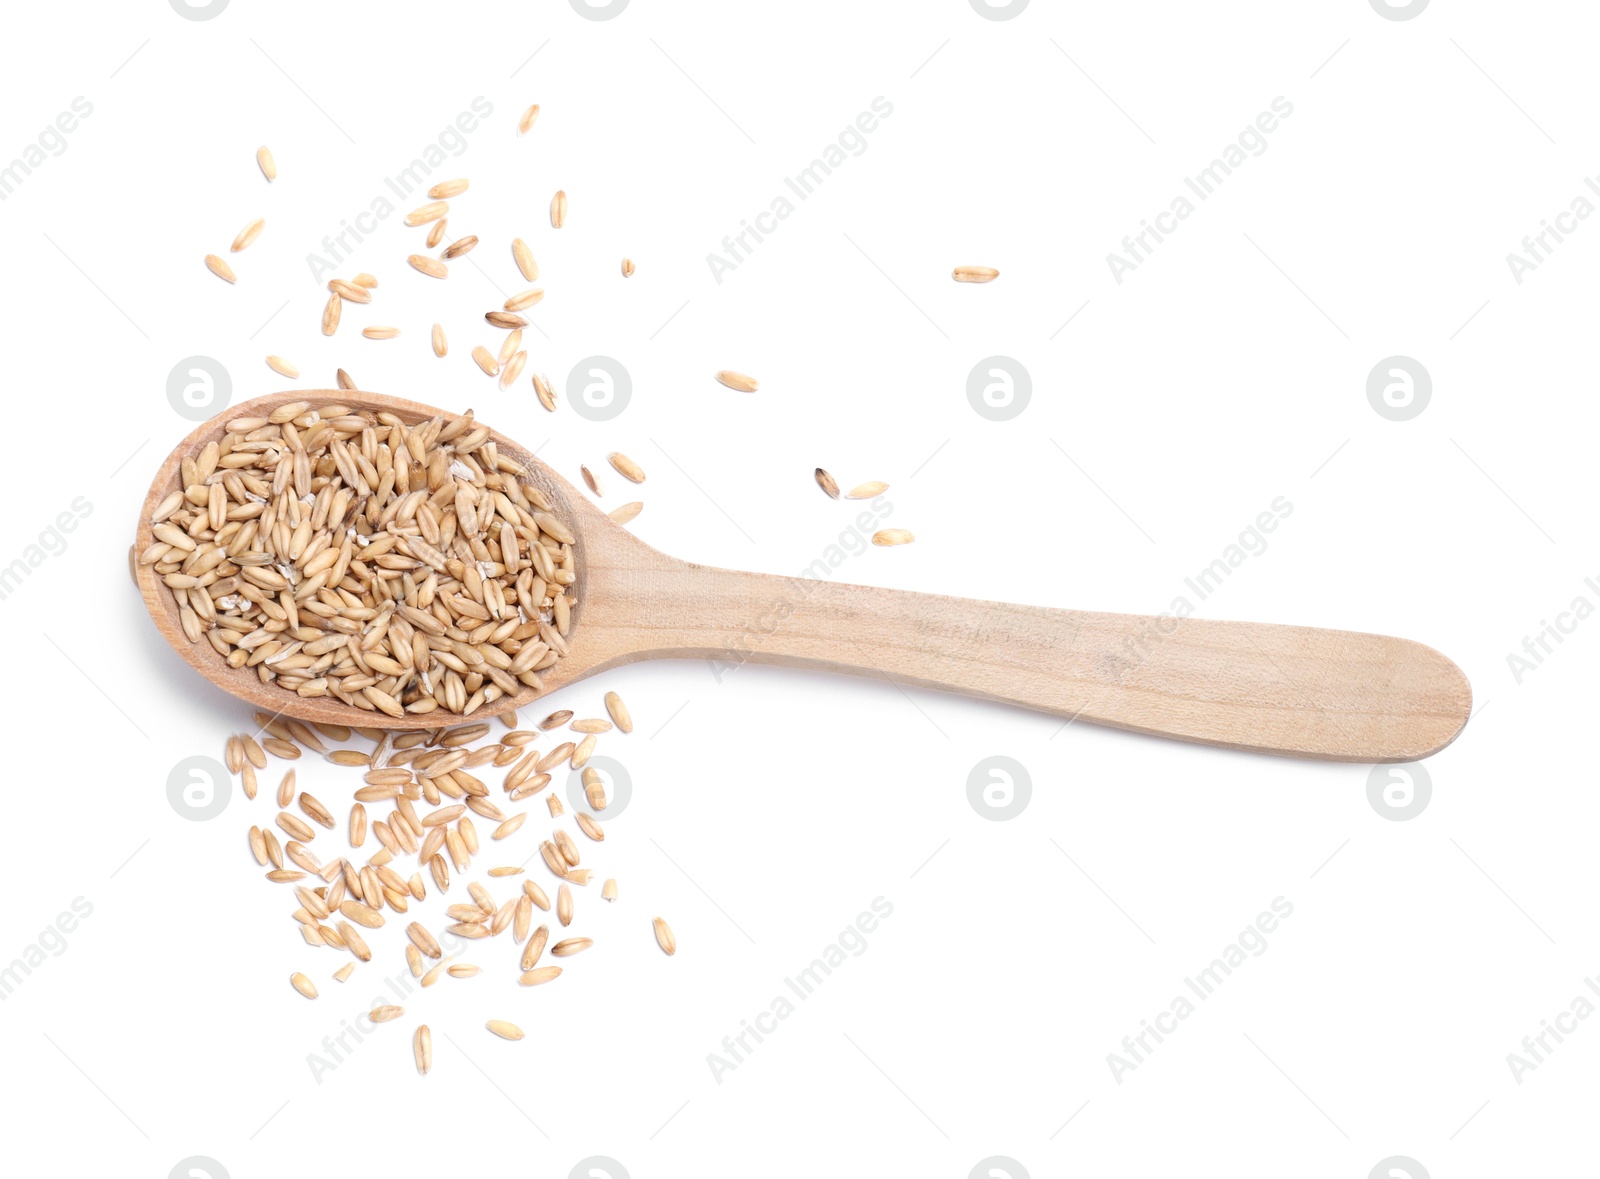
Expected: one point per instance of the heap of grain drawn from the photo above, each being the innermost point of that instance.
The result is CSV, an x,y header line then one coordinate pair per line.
x,y
399,567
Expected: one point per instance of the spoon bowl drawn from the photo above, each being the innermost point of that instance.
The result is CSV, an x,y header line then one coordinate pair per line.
x,y
1293,690
566,503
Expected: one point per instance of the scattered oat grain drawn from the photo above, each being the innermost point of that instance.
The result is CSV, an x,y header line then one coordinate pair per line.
x,y
512,369
247,235
738,381
429,266
626,467
524,259
427,213
664,937
619,712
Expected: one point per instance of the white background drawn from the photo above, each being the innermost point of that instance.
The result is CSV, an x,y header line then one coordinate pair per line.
x,y
771,807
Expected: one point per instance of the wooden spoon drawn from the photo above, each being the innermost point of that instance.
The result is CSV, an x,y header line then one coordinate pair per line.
x,y
1328,694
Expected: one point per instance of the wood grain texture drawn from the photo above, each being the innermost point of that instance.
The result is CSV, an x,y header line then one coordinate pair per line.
x,y
1328,694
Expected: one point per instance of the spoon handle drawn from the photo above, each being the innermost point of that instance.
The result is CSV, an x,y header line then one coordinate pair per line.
x,y
1327,694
